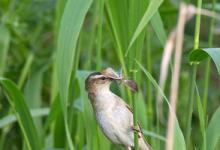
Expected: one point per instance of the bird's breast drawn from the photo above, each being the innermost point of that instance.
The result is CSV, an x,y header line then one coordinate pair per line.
x,y
103,101
115,122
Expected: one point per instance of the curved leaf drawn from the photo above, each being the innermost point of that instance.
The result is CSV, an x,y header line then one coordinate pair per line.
x,y
71,23
157,25
151,10
17,102
213,134
179,142
202,53
36,112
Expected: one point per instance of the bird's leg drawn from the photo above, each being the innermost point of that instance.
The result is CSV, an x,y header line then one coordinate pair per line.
x,y
129,148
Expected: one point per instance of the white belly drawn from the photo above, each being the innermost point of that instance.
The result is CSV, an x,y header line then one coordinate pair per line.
x,y
116,124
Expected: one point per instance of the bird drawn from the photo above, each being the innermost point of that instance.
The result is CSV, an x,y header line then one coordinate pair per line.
x,y
113,114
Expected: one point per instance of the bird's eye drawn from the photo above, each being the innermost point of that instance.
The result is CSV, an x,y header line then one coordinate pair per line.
x,y
103,78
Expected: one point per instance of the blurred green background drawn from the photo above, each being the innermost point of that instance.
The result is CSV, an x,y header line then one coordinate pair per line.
x,y
38,54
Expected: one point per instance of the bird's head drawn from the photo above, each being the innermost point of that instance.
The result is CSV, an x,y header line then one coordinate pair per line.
x,y
99,81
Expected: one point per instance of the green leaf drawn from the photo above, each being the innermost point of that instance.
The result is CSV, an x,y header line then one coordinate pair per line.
x,y
25,70
154,135
179,142
200,54
201,115
117,18
54,112
17,102
213,134
149,13
36,112
158,27
4,46
71,23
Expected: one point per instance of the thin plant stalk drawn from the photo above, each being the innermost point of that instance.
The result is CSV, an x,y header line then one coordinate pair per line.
x,y
207,68
99,50
25,70
167,53
149,99
135,118
193,74
175,76
149,87
88,63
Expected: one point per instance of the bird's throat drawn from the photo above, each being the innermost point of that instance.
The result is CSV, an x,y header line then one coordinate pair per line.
x,y
102,99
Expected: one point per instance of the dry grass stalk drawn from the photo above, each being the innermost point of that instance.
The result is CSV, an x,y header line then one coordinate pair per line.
x,y
164,70
175,75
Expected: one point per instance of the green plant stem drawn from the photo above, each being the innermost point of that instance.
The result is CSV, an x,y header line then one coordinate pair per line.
x,y
207,68
25,70
88,63
149,88
190,103
193,74
149,100
99,50
135,119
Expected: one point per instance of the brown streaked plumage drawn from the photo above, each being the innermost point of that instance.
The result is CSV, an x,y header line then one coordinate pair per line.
x,y
113,115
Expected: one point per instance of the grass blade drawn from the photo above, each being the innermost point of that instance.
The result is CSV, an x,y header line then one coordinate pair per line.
x,y
71,23
17,102
158,27
179,142
151,10
201,117
193,71
25,70
54,112
119,31
36,112
213,134
4,46
154,135
202,53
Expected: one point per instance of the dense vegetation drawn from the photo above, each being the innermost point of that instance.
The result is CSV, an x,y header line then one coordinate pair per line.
x,y
48,48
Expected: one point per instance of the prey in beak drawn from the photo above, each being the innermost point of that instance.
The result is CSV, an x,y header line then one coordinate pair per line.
x,y
111,74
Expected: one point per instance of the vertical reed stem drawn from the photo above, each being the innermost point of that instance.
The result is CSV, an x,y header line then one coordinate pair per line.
x,y
175,76
99,49
135,118
149,88
207,68
193,74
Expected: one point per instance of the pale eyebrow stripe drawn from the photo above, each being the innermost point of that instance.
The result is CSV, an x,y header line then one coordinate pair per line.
x,y
97,76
